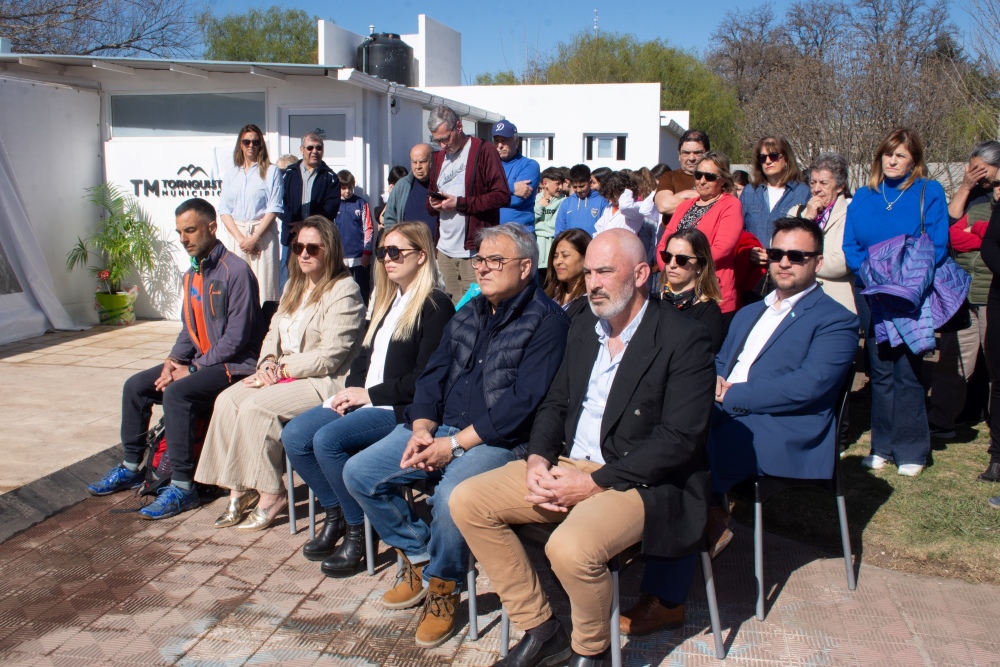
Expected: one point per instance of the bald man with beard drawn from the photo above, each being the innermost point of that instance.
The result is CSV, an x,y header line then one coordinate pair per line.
x,y
616,456
408,200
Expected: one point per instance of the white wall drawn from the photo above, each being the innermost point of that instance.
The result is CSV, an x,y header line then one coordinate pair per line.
x,y
570,112
437,53
52,135
337,46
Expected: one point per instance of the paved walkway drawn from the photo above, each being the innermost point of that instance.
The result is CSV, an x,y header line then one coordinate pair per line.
x,y
88,587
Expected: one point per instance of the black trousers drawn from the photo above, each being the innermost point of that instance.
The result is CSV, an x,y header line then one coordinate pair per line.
x,y
183,402
993,343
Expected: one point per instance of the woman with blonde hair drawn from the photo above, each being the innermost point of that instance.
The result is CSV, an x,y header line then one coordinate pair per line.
x,y
249,205
312,340
410,313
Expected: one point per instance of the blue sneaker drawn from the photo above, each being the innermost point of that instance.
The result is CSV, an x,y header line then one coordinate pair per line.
x,y
117,479
170,501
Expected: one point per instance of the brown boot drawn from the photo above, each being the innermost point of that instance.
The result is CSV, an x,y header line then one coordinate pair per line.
x,y
719,533
649,615
409,589
437,621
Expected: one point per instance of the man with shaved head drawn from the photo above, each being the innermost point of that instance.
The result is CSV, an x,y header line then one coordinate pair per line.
x,y
616,456
408,200
311,188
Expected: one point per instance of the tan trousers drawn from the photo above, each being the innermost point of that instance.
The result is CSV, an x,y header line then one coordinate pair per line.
x,y
243,445
956,363
591,533
457,274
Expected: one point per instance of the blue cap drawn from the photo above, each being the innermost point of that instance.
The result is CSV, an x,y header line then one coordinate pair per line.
x,y
504,128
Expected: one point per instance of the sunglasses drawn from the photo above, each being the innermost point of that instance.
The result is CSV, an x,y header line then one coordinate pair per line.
x,y
251,142
773,157
392,252
707,175
313,248
794,256
682,260
313,148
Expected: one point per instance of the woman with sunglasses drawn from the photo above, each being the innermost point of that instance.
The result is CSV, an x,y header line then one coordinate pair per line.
x,y
311,342
564,280
410,313
888,207
690,284
775,187
716,213
249,206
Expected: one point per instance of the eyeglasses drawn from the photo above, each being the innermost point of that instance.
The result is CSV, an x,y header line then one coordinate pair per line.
x,y
312,248
682,260
446,138
393,252
794,256
492,263
773,157
251,142
313,148
707,175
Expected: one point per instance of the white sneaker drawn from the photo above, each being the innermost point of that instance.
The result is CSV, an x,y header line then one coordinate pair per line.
x,y
875,462
910,469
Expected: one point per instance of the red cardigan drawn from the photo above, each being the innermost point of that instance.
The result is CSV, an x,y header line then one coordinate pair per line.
x,y
722,224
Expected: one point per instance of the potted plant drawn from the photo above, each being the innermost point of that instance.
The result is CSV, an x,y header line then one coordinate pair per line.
x,y
122,243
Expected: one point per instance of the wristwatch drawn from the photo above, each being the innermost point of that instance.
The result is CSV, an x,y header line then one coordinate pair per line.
x,y
192,369
456,449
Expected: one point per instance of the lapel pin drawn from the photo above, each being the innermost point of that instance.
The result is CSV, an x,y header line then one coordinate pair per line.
x,y
638,413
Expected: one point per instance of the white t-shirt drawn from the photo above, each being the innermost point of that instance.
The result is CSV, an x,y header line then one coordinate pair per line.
x,y
452,224
774,194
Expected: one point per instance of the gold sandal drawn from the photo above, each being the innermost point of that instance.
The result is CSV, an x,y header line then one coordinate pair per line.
x,y
237,508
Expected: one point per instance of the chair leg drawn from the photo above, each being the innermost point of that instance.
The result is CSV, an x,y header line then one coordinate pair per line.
x,y
713,605
290,483
504,632
758,556
845,538
369,546
470,577
616,637
312,515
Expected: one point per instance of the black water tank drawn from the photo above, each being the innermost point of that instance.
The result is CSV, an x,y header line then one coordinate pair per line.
x,y
386,56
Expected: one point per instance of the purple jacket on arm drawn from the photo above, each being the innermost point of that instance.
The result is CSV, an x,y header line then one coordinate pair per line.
x,y
230,302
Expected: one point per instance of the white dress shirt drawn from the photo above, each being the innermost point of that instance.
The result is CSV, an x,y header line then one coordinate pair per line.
x,y
380,344
762,332
587,441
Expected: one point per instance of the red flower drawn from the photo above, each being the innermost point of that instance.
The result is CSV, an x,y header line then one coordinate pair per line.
x,y
103,275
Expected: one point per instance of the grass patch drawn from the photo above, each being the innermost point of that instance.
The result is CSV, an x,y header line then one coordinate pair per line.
x,y
937,523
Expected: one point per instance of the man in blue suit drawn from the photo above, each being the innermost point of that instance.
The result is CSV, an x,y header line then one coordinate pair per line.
x,y
779,372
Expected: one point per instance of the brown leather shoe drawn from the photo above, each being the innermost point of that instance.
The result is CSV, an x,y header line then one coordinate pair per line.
x,y
409,589
719,534
437,621
649,615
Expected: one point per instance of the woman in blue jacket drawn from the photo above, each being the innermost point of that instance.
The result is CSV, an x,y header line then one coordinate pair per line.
x,y
775,188
888,207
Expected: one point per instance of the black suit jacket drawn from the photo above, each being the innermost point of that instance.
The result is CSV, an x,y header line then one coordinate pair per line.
x,y
655,422
405,359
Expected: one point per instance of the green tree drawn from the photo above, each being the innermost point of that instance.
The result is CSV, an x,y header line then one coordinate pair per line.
x,y
274,35
605,57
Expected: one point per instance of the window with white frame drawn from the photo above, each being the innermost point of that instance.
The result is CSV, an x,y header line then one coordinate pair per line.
x,y
605,147
537,146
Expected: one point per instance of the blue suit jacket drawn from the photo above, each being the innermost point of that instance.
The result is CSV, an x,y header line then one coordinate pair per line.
x,y
785,409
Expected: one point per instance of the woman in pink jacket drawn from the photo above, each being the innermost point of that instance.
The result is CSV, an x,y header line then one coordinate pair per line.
x,y
717,214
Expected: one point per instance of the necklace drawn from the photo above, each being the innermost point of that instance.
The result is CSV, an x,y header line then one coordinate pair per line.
x,y
888,204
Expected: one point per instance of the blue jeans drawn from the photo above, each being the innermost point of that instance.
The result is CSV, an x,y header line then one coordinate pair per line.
x,y
376,481
320,442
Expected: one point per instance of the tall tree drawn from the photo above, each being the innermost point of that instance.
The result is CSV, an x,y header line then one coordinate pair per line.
x,y
160,28
613,58
274,35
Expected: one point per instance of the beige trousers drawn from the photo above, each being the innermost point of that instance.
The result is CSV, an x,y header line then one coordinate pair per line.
x,y
591,533
457,274
956,363
243,445
266,264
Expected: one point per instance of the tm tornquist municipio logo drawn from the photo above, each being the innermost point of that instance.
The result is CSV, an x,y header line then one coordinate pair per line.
x,y
177,187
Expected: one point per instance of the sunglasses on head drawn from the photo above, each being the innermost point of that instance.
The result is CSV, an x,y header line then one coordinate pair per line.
x,y
250,142
392,252
314,148
682,260
794,256
313,248
773,157
707,175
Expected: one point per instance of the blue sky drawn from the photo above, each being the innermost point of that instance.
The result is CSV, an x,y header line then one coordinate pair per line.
x,y
498,35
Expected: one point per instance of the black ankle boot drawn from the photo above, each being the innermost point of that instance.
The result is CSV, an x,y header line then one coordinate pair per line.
x,y
326,540
349,556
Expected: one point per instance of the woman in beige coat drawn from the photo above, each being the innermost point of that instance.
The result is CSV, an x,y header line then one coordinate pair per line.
x,y
828,208
312,340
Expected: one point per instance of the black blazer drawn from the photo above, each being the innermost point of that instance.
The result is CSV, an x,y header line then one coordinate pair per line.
x,y
405,359
577,306
655,423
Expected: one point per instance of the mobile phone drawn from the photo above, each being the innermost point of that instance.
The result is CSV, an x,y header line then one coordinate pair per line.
x,y
437,196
